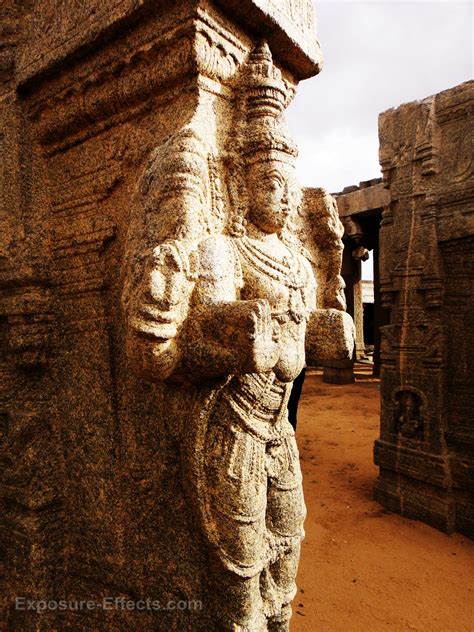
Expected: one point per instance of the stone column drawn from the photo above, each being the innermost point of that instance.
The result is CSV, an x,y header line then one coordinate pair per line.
x,y
118,120
426,279
342,371
32,527
358,310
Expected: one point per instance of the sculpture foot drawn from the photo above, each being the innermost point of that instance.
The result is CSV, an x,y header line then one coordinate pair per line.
x,y
281,623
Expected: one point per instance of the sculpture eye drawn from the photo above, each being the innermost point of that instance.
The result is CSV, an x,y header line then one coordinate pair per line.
x,y
275,183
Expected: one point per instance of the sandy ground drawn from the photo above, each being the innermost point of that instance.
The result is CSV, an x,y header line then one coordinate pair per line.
x,y
363,569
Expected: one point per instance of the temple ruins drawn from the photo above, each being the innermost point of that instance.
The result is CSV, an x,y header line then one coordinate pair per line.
x,y
163,278
425,450
417,222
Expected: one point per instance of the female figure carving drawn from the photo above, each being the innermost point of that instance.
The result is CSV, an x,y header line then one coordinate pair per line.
x,y
223,314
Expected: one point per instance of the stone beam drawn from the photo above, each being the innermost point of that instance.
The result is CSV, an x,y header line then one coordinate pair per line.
x,y
289,25
56,29
362,200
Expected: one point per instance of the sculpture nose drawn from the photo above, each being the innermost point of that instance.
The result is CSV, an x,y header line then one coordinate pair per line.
x,y
173,293
166,288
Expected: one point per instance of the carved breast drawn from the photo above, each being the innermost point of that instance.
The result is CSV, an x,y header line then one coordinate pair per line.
x,y
282,281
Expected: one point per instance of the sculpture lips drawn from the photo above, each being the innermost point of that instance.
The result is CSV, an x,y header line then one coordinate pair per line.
x,y
157,315
159,331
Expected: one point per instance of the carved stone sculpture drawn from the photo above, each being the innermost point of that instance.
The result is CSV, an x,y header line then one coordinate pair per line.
x,y
219,305
146,305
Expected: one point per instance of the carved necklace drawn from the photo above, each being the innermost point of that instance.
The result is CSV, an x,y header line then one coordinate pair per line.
x,y
287,272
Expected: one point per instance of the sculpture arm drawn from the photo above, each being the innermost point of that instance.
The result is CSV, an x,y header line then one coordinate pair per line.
x,y
223,334
330,335
332,284
323,238
186,322
330,330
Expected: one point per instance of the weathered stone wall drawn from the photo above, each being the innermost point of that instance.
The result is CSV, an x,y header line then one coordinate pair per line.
x,y
93,498
425,450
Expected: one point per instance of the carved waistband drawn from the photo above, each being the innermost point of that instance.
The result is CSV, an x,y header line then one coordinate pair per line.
x,y
259,402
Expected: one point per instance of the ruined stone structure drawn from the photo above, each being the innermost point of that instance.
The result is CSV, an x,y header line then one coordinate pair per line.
x,y
425,450
360,210
158,266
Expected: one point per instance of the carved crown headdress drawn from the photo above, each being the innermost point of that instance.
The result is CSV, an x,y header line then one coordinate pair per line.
x,y
266,95
266,92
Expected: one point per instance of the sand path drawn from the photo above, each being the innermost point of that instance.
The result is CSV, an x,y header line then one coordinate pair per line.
x,y
363,569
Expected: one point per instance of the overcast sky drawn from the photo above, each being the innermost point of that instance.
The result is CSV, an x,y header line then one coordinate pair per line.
x,y
377,55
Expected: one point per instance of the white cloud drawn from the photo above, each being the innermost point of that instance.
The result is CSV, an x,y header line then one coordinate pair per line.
x,y
330,161
377,55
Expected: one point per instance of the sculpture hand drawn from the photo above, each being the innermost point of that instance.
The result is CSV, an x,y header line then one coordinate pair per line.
x,y
265,350
232,337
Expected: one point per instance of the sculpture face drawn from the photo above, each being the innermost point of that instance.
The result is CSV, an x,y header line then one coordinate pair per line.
x,y
269,203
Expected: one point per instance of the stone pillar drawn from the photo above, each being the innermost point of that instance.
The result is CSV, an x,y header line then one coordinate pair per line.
x,y
358,311
32,519
338,372
426,278
353,256
115,120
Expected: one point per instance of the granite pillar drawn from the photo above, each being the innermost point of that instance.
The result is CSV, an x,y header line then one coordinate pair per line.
x,y
426,277
94,497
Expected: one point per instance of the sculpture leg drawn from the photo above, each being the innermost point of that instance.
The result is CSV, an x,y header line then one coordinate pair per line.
x,y
240,603
286,512
236,486
283,573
